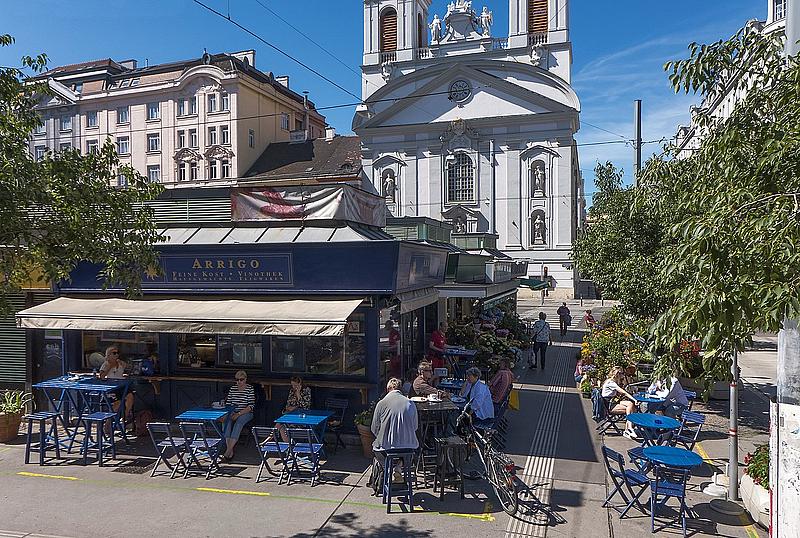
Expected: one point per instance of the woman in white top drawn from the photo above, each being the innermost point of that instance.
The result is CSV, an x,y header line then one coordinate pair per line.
x,y
114,368
625,405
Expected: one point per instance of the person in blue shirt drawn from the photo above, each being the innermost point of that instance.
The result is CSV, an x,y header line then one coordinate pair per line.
x,y
479,398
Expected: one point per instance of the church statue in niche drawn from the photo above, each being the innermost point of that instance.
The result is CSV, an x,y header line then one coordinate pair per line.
x,y
389,186
460,224
539,179
538,230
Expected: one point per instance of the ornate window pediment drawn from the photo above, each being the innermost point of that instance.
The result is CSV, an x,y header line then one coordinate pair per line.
x,y
459,135
463,219
218,152
185,155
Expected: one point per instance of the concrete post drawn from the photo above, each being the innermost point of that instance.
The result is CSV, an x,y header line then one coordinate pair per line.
x,y
785,442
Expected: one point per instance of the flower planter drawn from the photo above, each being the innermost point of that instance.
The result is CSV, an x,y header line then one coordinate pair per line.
x,y
755,499
366,440
9,426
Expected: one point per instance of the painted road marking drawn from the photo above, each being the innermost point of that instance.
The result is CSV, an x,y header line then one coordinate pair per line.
x,y
234,491
485,516
55,476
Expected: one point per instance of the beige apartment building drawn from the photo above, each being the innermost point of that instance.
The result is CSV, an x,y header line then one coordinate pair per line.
x,y
178,123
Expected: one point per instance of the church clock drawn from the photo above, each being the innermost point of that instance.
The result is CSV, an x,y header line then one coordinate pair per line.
x,y
460,90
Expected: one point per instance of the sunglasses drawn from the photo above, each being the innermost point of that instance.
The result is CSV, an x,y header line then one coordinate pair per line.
x,y
241,379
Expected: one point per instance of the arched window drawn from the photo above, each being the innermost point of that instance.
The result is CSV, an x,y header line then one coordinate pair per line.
x,y
460,179
537,16
388,30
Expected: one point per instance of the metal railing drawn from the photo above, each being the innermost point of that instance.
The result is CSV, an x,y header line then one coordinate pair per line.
x,y
390,56
499,43
534,40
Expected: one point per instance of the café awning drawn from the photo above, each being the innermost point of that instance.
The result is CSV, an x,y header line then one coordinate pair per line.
x,y
318,317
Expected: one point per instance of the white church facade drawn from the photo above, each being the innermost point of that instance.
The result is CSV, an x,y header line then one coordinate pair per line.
x,y
461,126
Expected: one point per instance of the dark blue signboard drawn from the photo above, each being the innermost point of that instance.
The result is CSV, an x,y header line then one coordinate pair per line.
x,y
222,270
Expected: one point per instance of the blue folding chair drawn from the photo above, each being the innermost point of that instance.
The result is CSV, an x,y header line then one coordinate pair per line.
x,y
305,448
691,396
669,482
164,442
689,431
626,482
610,421
203,451
336,421
268,441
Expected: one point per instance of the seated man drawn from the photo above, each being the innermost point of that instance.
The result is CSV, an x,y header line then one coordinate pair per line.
x,y
675,400
423,384
394,423
479,398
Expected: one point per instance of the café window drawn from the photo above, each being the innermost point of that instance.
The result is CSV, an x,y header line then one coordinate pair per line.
x,y
318,355
225,350
134,348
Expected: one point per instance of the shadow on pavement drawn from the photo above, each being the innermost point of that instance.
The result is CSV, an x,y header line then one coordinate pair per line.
x,y
347,524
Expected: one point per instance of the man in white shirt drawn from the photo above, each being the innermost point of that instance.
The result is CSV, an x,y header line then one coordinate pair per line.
x,y
479,398
675,400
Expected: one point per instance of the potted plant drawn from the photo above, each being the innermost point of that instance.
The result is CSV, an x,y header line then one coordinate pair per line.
x,y
754,486
363,421
12,407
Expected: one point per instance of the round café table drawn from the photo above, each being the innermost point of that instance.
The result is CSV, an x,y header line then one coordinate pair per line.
x,y
643,397
672,456
651,426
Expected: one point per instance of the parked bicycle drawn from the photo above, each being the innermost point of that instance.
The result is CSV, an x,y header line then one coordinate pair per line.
x,y
500,471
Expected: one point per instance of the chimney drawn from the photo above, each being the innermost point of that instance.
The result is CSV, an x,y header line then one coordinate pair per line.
x,y
330,133
128,64
283,80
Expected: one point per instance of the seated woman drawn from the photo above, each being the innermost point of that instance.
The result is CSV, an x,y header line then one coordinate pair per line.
x,y
299,398
114,368
242,397
582,368
624,401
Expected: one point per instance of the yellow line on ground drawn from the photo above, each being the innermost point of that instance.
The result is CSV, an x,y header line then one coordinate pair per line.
x,y
702,452
234,491
39,475
481,517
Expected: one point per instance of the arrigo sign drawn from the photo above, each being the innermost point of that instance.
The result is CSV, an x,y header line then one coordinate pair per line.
x,y
240,271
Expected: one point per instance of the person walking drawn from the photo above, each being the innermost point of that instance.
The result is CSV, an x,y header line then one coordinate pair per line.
x,y
541,339
564,318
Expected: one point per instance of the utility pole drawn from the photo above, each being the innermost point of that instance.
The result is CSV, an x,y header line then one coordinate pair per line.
x,y
637,140
785,412
733,432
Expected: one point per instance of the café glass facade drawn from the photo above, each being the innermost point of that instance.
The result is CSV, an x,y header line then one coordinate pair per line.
x,y
276,310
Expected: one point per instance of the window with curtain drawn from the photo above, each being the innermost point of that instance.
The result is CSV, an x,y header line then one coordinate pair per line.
x,y
537,16
388,31
460,179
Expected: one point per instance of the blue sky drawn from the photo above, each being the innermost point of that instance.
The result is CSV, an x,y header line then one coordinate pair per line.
x,y
619,48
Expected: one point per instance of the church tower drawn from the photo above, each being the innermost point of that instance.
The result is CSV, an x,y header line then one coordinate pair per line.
x,y
462,123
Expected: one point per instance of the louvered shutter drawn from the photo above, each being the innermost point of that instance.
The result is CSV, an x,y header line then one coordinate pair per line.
x,y
389,31
537,16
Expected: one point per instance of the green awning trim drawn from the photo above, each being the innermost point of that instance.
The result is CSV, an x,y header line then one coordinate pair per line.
x,y
533,283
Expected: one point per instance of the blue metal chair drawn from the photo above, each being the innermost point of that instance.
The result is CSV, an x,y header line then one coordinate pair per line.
x,y
691,396
610,421
405,458
336,421
688,433
201,448
636,455
268,441
669,482
304,447
625,480
102,442
163,442
48,435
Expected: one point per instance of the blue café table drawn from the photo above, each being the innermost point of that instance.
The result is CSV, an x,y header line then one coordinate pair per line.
x,y
206,415
672,456
69,394
651,426
316,419
451,385
643,397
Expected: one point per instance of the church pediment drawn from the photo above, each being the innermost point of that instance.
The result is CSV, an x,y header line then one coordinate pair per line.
x,y
441,94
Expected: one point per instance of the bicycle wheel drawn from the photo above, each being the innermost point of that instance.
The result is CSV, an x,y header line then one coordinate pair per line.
x,y
504,484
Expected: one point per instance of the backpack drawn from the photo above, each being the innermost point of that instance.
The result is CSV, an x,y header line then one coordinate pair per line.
x,y
140,422
598,405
